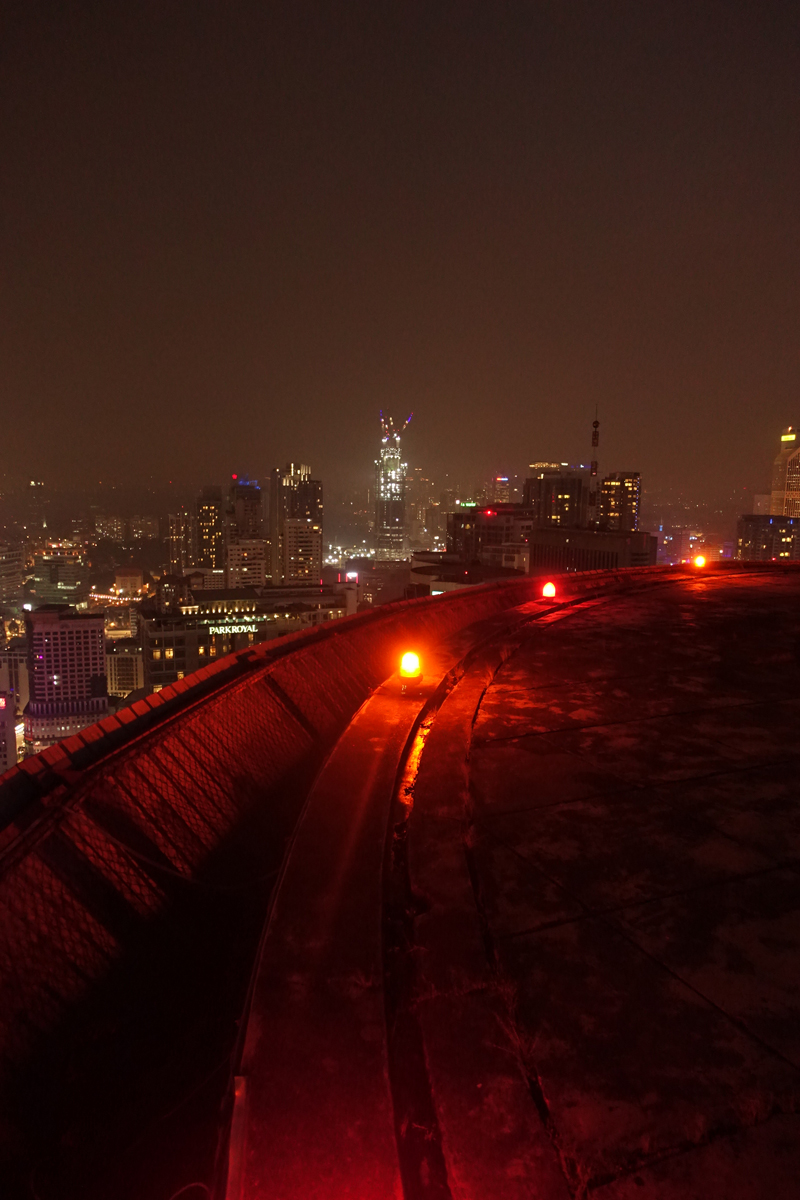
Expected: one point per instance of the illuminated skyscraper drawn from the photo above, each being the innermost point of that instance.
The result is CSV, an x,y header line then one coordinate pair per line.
x,y
557,494
12,563
246,562
785,500
390,485
295,497
35,520
210,525
124,667
66,674
763,538
246,548
619,501
500,490
59,577
420,496
181,541
302,551
245,508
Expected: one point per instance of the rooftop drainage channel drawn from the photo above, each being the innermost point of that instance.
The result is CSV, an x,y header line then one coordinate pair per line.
x,y
419,1141
418,1135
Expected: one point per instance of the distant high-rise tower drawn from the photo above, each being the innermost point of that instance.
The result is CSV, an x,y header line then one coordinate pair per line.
x,y
210,529
12,565
618,505
295,525
245,508
785,499
593,506
557,494
35,520
246,550
59,577
181,541
390,486
66,674
500,490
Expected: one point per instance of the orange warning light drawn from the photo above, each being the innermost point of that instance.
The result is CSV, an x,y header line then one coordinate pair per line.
x,y
409,665
549,590
700,561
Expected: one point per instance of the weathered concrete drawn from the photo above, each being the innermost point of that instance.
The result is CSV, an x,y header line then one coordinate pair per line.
x,y
591,918
637,822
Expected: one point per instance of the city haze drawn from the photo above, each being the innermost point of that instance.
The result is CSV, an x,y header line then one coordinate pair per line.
x,y
231,234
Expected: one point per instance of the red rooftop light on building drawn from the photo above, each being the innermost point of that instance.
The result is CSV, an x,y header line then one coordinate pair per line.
x,y
549,590
700,560
409,666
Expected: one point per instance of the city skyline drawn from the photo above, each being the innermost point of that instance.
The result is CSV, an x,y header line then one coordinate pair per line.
x,y
398,807
469,474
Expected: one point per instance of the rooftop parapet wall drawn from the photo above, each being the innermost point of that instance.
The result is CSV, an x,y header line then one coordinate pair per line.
x,y
52,769
94,828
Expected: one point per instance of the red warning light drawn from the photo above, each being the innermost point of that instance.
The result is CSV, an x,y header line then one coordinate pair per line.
x,y
234,476
549,590
410,666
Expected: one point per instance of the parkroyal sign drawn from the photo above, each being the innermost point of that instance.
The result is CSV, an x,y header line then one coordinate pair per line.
x,y
233,629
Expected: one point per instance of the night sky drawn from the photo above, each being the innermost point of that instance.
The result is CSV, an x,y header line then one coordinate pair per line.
x,y
230,233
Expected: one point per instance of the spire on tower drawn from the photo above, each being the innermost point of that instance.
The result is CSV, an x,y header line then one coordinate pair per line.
x,y
593,472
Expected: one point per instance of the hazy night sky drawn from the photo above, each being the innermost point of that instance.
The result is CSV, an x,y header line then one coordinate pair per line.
x,y
230,233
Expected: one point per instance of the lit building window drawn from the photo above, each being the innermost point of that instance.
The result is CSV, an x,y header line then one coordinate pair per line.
x,y
169,653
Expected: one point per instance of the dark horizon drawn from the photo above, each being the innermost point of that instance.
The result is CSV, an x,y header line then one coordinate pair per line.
x,y
232,234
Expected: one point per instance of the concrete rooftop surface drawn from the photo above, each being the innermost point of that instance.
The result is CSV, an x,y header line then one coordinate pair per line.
x,y
574,969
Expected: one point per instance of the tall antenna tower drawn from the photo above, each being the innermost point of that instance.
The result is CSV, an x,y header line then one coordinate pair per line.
x,y
593,513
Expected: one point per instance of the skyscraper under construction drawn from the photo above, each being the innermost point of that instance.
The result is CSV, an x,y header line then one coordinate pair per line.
x,y
390,492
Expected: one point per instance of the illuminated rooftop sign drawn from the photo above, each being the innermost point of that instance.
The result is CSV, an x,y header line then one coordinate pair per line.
x,y
788,437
